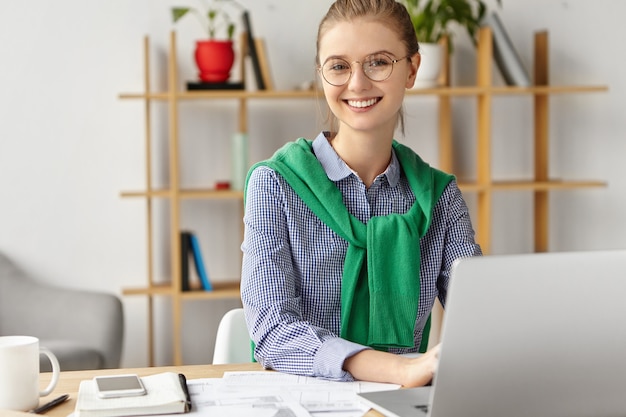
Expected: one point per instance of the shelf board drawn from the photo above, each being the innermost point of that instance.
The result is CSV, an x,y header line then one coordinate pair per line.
x,y
308,94
546,185
157,289
211,194
221,290
206,193
506,90
530,185
225,94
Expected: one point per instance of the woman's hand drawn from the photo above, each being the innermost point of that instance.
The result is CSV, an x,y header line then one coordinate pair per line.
x,y
421,370
376,366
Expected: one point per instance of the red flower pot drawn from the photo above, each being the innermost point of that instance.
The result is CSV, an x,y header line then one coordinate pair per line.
x,y
214,60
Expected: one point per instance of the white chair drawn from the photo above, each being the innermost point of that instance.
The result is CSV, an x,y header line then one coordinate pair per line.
x,y
232,343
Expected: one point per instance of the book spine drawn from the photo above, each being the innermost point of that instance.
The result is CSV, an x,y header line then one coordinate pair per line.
x,y
505,55
185,250
252,51
199,263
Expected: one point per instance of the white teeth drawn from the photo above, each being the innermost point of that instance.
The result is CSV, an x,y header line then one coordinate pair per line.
x,y
362,104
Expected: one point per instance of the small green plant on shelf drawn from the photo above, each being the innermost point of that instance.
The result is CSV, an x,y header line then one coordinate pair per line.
x,y
432,18
211,16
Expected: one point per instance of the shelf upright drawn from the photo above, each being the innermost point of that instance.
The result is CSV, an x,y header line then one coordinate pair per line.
x,y
483,148
174,181
446,160
149,206
541,128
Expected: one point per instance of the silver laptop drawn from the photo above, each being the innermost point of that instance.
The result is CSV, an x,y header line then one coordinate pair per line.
x,y
527,335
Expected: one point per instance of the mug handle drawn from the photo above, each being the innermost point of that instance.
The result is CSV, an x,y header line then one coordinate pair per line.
x,y
56,371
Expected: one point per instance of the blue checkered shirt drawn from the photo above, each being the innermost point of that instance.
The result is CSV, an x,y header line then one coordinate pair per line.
x,y
293,263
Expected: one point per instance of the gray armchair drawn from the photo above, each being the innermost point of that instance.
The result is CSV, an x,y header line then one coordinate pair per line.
x,y
83,329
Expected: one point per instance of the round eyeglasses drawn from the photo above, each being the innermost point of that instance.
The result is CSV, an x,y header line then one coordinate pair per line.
x,y
377,67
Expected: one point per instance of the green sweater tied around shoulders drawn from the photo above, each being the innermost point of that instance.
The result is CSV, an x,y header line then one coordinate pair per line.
x,y
381,276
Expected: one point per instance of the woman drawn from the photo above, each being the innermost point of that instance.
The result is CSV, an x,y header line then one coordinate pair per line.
x,y
349,238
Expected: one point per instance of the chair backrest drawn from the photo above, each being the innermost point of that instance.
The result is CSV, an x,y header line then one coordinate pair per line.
x,y
232,343
84,329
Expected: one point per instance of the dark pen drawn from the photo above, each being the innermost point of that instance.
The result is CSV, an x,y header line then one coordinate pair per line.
x,y
51,404
183,384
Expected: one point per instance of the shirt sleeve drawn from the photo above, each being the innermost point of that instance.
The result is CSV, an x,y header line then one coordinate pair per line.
x,y
270,291
458,239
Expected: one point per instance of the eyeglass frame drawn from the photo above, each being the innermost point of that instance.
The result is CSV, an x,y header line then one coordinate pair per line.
x,y
320,68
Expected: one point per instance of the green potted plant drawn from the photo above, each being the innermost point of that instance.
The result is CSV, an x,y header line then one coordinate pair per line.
x,y
432,20
214,55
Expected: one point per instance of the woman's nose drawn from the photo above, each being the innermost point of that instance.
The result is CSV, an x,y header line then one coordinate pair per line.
x,y
358,80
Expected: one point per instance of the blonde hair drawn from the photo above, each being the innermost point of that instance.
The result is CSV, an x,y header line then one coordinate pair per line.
x,y
388,12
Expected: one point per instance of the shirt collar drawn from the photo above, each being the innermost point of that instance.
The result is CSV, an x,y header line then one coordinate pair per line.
x,y
337,169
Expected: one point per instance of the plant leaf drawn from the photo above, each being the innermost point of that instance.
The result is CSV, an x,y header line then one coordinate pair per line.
x,y
231,30
178,12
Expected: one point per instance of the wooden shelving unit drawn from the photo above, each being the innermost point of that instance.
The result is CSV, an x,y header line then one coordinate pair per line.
x,y
484,186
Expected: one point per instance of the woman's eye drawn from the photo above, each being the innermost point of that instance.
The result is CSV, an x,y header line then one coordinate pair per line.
x,y
338,66
379,61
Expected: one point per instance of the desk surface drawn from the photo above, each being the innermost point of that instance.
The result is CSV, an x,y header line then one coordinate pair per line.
x,y
69,381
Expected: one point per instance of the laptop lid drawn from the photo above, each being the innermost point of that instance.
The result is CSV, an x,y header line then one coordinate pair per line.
x,y
529,335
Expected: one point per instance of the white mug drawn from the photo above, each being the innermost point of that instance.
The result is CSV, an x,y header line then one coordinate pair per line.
x,y
19,372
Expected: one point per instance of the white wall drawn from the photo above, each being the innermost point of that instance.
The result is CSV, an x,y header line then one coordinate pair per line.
x,y
69,145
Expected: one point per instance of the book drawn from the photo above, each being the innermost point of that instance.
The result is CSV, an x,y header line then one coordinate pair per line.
x,y
185,251
252,52
505,55
166,393
199,263
264,64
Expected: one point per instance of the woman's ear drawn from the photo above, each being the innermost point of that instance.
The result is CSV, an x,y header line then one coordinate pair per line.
x,y
414,66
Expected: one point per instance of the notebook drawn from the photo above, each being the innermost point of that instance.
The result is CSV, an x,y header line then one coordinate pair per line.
x,y
166,393
527,335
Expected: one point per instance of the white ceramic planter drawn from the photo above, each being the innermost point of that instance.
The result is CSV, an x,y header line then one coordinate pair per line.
x,y
430,66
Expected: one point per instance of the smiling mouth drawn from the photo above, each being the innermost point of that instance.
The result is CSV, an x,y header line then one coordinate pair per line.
x,y
362,103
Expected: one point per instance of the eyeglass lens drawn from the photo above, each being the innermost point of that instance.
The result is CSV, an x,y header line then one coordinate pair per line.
x,y
378,67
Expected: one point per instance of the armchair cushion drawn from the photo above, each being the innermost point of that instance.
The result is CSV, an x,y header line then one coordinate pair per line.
x,y
72,356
